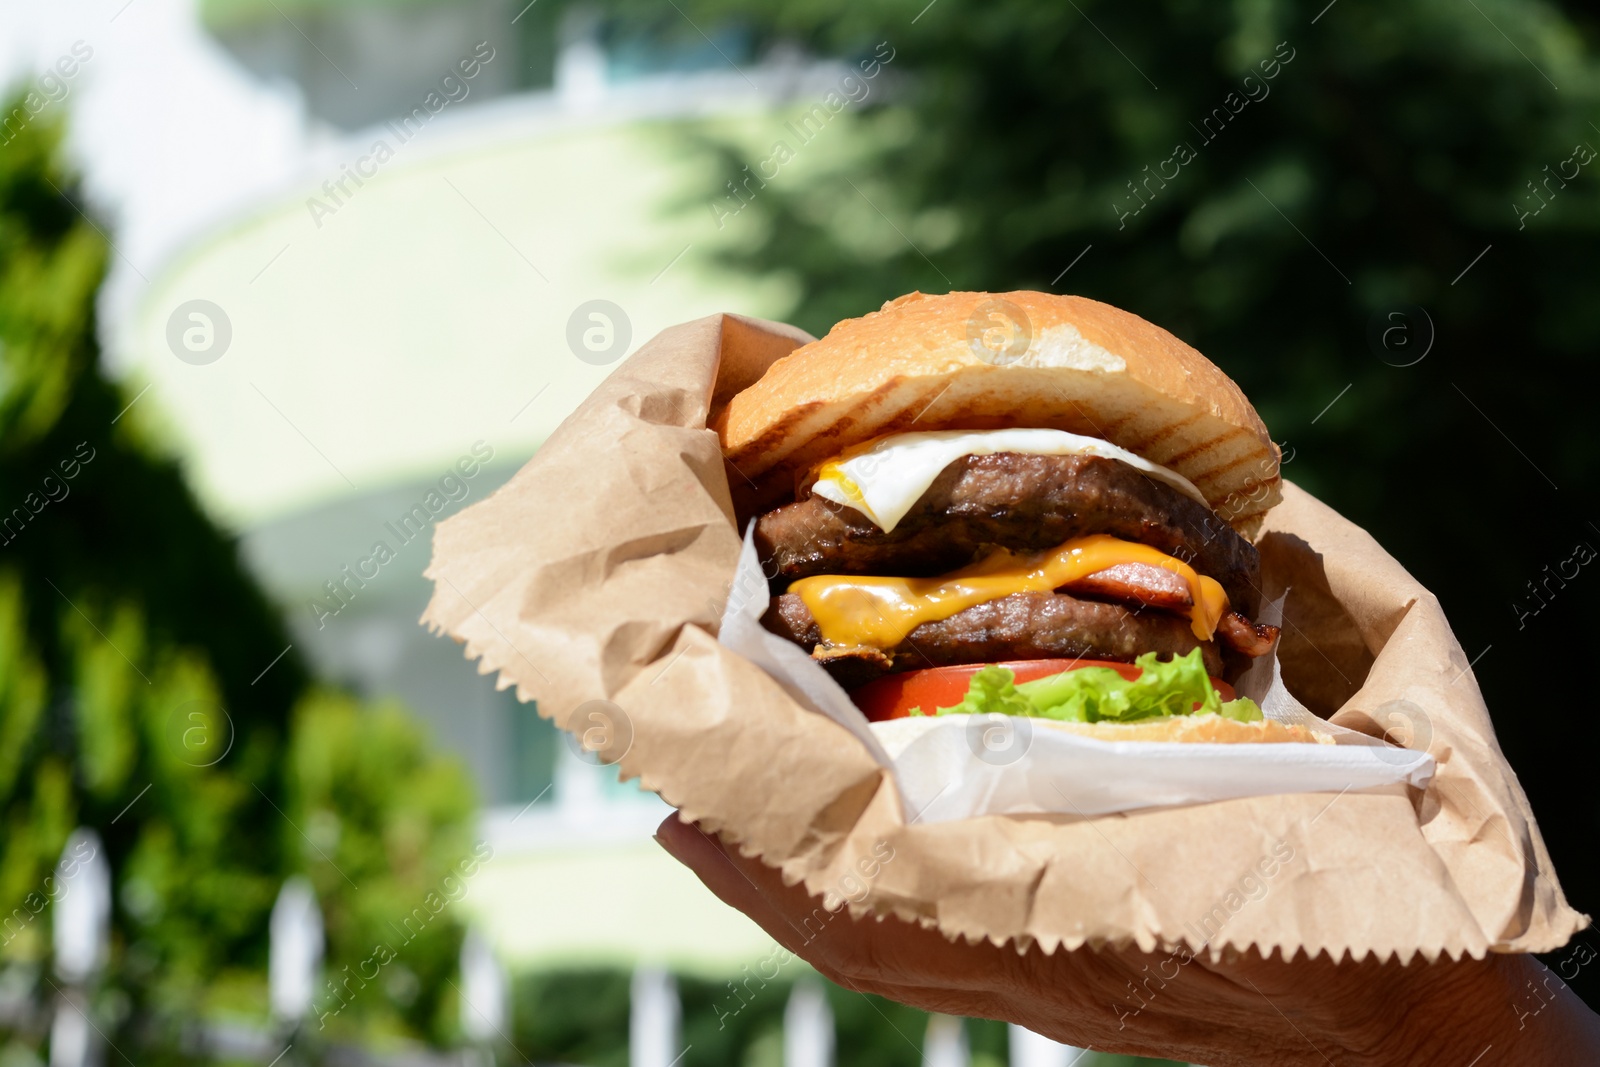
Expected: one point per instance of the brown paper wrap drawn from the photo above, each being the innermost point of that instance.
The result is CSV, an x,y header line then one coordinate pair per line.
x,y
600,572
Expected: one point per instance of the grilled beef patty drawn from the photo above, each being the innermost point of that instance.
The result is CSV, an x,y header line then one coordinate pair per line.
x,y
1021,502
1019,626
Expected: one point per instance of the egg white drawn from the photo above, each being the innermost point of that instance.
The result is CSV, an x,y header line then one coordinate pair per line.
x,y
886,480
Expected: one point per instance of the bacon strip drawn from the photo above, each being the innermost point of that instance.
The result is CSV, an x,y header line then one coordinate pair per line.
x,y
1245,637
1157,587
1139,583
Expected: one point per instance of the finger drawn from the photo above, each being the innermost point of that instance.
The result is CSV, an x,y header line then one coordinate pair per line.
x,y
788,913
881,953
736,885
1065,995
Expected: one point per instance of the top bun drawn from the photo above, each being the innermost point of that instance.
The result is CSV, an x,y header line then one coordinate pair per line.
x,y
991,360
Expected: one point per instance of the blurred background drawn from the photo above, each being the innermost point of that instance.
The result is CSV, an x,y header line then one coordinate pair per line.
x,y
284,282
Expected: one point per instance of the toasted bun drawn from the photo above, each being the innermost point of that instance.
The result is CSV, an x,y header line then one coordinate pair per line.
x,y
1076,365
896,735
1208,729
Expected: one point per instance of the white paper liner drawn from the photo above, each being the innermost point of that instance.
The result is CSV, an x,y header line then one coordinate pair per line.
x,y
962,766
789,664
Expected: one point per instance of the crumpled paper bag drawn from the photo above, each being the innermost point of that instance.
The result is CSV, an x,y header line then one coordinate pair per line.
x,y
594,582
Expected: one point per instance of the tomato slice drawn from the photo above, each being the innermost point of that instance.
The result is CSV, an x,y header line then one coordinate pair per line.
x,y
894,695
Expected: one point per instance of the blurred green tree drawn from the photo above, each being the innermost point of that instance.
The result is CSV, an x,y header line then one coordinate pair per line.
x,y
1379,218
148,690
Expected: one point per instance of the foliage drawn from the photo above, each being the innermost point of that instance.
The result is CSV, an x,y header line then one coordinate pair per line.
x,y
142,691
1400,157
571,1017
384,826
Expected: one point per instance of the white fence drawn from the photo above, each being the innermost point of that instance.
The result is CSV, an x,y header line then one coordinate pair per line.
x,y
81,926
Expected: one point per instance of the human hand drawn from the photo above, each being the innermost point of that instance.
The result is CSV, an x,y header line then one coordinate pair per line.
x,y
1243,1011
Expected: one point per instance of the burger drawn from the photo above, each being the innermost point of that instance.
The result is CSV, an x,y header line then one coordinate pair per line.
x,y
1018,503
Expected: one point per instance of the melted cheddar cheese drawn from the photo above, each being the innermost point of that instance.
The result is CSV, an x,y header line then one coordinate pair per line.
x,y
878,612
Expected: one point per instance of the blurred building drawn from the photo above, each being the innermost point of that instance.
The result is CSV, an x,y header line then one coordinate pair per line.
x,y
349,250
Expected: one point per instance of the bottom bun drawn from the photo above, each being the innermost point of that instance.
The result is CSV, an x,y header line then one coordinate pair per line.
x,y
896,735
1205,729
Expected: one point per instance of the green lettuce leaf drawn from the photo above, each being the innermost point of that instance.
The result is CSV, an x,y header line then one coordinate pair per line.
x,y
992,689
1242,710
1100,694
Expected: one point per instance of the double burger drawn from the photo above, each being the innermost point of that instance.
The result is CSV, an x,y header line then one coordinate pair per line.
x,y
1020,503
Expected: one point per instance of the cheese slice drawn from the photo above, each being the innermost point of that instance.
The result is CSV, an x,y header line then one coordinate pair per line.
x,y
879,612
884,478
